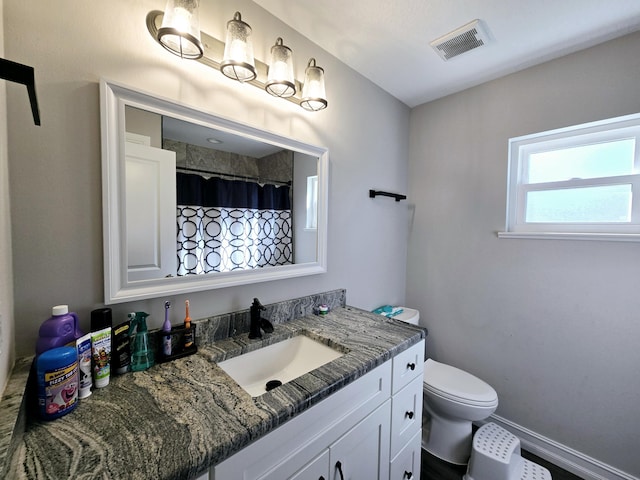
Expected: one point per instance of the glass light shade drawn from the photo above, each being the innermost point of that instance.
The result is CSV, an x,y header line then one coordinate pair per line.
x,y
314,97
238,62
180,30
280,81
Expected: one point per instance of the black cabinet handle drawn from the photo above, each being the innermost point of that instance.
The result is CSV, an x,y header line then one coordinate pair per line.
x,y
339,467
409,414
321,477
411,366
408,475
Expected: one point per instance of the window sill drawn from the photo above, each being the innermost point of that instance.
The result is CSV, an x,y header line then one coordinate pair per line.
x,y
603,237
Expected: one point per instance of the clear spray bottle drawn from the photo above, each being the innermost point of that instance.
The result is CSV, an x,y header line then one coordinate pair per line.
x,y
142,356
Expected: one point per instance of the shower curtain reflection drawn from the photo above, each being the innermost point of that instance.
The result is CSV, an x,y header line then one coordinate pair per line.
x,y
226,225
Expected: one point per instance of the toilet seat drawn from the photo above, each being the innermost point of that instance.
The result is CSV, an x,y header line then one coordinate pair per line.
x,y
457,385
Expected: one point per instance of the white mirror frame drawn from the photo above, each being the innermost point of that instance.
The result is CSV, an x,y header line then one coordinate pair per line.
x,y
117,287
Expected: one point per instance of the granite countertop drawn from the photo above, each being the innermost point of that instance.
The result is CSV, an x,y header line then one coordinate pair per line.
x,y
177,419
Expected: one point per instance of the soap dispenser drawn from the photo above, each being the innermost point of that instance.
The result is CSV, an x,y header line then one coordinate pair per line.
x,y
142,356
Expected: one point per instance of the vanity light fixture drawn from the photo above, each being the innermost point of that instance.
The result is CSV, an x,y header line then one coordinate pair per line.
x,y
238,62
177,30
180,30
281,82
314,97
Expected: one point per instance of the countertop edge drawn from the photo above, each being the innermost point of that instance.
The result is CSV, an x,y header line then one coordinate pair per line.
x,y
13,411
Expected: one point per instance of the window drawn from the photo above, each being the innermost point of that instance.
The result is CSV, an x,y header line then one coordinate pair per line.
x,y
312,203
581,181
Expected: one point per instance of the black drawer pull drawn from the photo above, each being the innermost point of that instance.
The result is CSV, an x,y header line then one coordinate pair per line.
x,y
339,467
409,414
408,475
411,366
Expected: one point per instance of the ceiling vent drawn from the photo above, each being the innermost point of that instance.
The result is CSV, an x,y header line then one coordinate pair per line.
x,y
461,40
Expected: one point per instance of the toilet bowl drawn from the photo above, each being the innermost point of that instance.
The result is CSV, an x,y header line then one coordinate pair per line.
x,y
453,399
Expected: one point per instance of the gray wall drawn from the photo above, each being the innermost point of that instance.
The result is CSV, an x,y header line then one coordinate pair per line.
x,y
551,324
55,169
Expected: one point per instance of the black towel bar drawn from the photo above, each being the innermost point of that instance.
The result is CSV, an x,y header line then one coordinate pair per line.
x,y
16,72
397,196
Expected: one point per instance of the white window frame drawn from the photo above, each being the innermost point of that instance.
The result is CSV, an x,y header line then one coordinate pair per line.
x,y
520,148
312,203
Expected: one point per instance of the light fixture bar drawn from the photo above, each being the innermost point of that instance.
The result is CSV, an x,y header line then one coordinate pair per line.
x,y
214,52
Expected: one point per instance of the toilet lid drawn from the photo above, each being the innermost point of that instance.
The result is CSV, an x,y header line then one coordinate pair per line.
x,y
457,385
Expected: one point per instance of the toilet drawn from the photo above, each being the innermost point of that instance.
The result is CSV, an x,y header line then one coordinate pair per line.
x,y
453,399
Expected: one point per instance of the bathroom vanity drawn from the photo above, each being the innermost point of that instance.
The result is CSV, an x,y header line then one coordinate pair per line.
x,y
370,429
360,413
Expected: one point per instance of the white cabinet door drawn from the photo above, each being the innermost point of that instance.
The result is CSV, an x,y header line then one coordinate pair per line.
x,y
318,469
150,198
363,452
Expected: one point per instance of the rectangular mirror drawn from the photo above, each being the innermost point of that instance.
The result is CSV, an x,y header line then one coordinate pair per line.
x,y
193,201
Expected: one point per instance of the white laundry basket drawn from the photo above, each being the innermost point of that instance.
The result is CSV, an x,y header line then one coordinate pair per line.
x,y
496,456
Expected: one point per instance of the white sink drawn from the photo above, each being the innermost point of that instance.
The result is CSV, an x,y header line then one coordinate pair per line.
x,y
282,362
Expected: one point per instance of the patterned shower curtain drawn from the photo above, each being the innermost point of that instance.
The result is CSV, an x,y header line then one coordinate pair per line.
x,y
226,225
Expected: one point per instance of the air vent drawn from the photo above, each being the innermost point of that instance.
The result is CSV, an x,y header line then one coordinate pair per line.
x,y
462,40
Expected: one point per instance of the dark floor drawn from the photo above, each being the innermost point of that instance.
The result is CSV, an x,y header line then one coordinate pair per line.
x,y
433,468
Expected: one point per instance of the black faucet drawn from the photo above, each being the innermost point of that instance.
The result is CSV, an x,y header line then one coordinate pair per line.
x,y
257,322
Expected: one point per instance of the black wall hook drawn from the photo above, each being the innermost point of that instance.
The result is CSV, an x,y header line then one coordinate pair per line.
x,y
18,73
397,196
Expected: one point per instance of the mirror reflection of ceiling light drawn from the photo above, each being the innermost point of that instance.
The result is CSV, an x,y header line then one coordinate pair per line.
x,y
178,31
213,140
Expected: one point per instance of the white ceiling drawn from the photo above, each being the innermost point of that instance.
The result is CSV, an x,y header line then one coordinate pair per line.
x,y
193,134
387,41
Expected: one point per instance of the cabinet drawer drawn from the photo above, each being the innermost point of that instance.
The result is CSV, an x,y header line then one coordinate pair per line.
x,y
406,414
407,365
406,465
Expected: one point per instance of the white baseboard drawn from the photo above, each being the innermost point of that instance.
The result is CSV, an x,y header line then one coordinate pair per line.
x,y
564,457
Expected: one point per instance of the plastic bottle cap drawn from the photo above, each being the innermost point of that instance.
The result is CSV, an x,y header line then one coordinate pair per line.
x,y
60,310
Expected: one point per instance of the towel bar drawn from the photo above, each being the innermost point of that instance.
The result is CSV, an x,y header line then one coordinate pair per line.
x,y
16,72
397,196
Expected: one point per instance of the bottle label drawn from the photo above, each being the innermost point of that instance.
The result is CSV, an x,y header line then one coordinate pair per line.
x,y
60,390
166,345
84,364
101,352
188,337
122,355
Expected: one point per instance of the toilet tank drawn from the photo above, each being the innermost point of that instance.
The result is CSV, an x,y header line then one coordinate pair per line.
x,y
408,315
